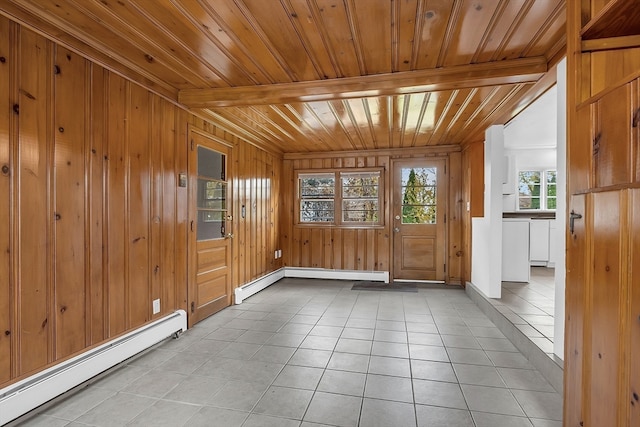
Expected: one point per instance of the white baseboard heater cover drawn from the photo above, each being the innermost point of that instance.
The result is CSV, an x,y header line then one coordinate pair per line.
x,y
255,286
251,288
26,395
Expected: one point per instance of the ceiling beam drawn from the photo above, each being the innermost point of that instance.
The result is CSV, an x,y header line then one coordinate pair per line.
x,y
524,70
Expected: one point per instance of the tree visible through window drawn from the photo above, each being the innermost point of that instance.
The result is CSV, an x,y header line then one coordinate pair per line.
x,y
317,194
537,190
419,195
350,197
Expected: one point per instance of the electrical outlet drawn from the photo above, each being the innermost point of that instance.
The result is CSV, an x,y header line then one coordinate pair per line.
x,y
279,253
275,255
156,306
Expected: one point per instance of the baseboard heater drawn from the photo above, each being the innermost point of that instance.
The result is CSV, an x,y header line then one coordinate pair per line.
x,y
26,395
243,292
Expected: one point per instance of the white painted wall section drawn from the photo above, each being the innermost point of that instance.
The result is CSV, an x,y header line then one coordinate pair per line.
x,y
486,250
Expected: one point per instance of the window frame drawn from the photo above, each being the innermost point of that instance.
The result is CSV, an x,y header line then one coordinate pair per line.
x,y
338,198
544,185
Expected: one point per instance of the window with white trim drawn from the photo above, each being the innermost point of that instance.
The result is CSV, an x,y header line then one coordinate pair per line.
x,y
340,197
537,190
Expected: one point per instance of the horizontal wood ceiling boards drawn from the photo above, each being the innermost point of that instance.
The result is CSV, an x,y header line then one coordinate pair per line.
x,y
311,75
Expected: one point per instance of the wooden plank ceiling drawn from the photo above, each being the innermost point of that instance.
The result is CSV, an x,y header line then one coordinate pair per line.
x,y
322,75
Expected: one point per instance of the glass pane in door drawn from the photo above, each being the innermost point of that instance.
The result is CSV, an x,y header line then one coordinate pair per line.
x,y
212,195
418,190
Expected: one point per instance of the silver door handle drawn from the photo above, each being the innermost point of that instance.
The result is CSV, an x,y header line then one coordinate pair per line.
x,y
396,229
229,236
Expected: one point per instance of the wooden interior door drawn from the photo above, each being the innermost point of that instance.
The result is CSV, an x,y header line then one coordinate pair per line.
x,y
210,236
418,211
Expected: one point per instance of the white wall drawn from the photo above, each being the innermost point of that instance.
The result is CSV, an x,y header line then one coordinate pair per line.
x,y
561,211
486,240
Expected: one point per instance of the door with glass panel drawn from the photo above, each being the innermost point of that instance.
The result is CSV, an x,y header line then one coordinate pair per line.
x,y
210,227
418,219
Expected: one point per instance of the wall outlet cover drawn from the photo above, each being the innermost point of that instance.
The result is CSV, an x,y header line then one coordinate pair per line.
x,y
156,306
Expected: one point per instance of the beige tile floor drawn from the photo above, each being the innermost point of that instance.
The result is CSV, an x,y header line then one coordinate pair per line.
x,y
309,352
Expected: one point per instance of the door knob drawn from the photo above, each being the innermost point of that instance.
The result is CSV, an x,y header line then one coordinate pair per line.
x,y
229,236
396,229
397,216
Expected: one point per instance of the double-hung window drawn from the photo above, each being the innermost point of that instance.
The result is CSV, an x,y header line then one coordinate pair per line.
x,y
537,190
340,197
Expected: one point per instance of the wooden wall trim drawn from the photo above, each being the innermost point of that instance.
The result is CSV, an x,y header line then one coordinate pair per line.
x,y
432,150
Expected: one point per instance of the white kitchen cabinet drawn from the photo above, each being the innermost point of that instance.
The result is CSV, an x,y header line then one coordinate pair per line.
x,y
515,250
539,242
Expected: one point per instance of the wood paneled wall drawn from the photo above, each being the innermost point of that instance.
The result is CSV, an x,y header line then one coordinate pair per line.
x,y
93,224
602,339
365,249
473,197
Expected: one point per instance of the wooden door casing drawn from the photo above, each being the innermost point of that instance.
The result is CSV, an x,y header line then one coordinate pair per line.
x,y
419,250
210,258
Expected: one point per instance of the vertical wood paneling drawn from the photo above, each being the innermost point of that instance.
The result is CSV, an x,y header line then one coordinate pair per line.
x,y
634,312
69,203
138,204
348,248
607,293
576,293
93,224
169,235
454,271
96,163
6,282
611,146
34,211
116,196
156,144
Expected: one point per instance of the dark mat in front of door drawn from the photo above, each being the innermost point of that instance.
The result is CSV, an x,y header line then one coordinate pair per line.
x,y
389,287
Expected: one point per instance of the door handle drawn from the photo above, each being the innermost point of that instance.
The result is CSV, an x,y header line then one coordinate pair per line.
x,y
396,229
229,236
572,217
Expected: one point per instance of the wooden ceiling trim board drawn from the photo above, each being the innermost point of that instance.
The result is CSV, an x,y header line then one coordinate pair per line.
x,y
246,13
49,27
557,13
423,111
499,52
137,38
524,70
355,35
431,150
448,37
495,18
